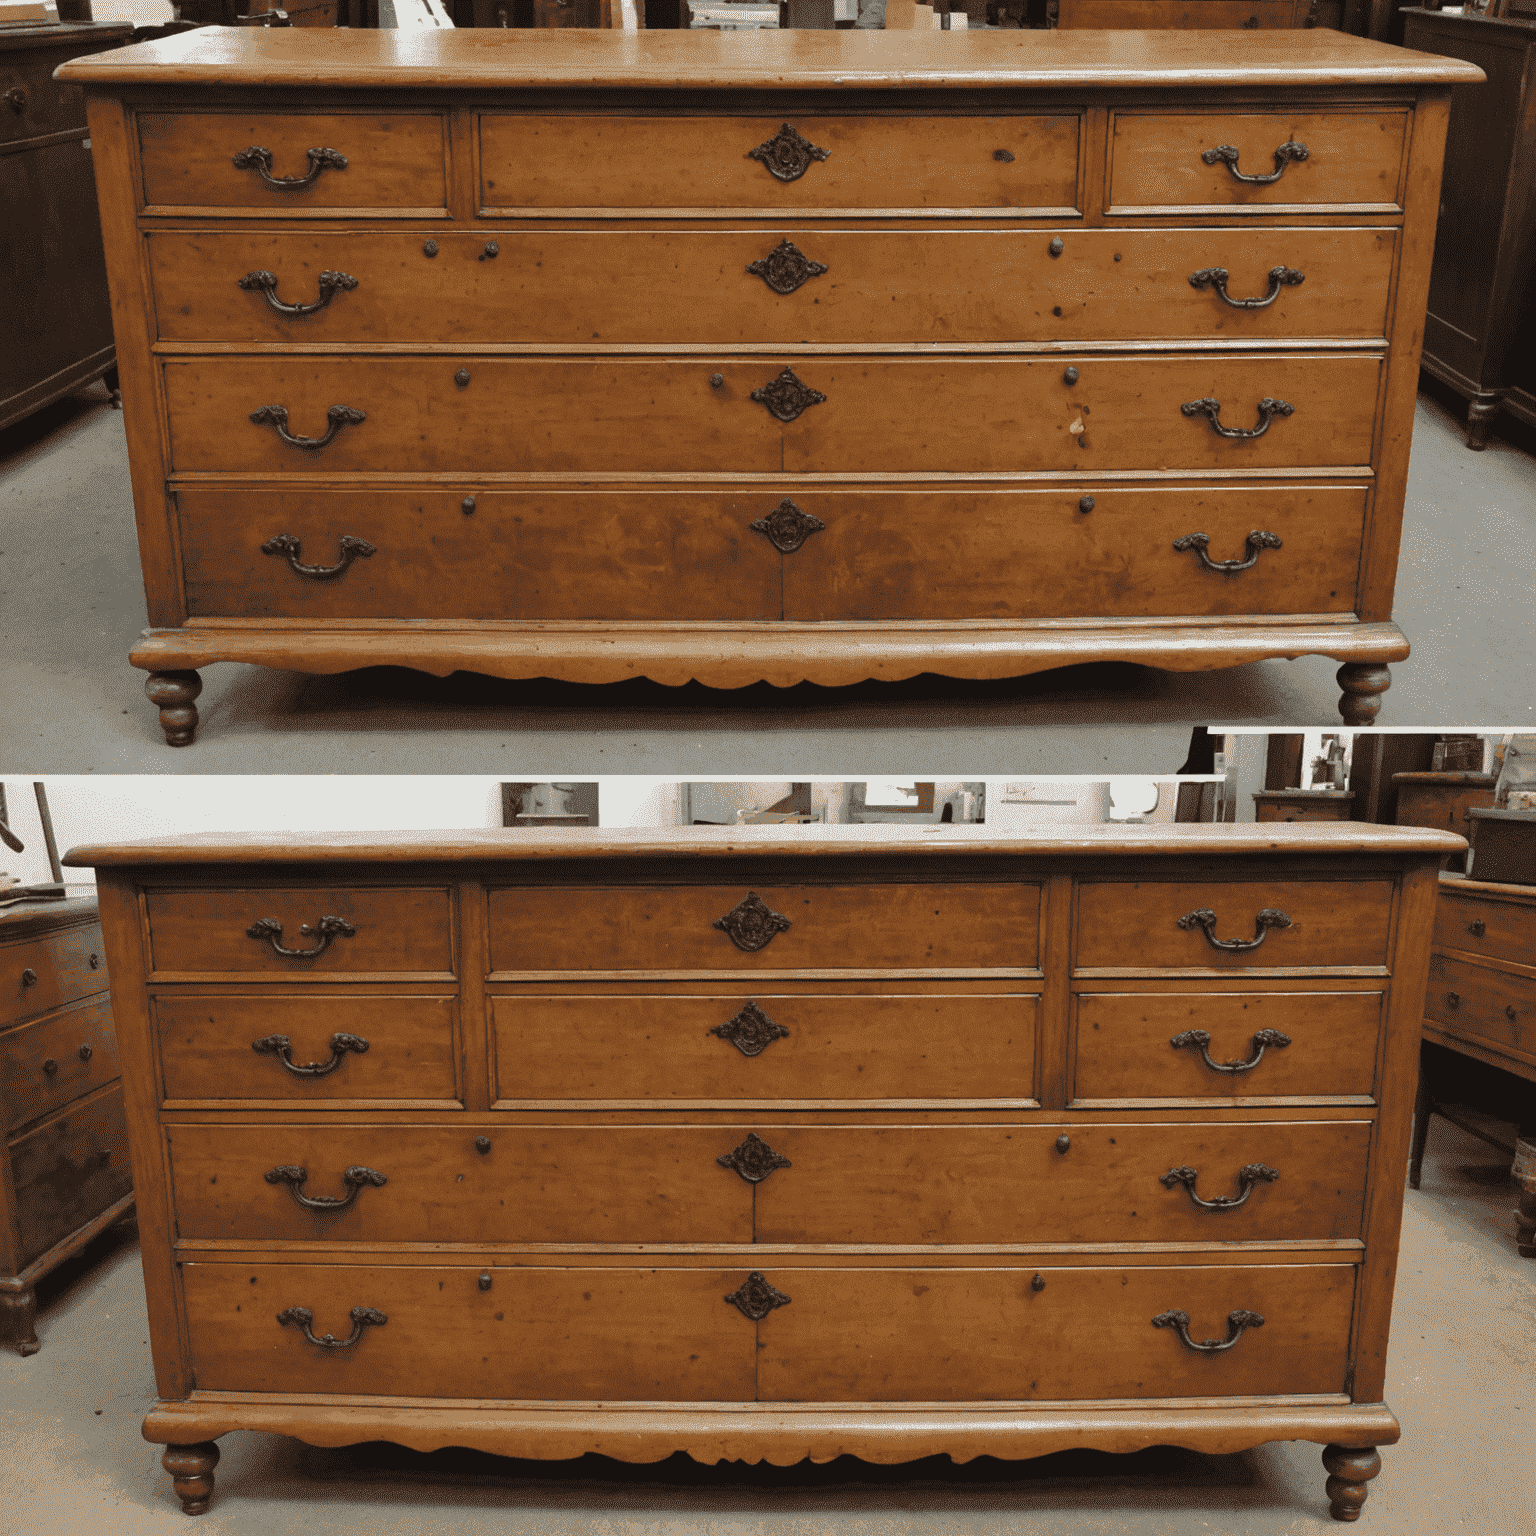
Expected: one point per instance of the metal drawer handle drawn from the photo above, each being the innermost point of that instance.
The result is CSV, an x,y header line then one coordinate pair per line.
x,y
281,1047
787,527
260,160
751,1031
326,929
1228,156
354,1178
754,1159
787,155
1200,542
1236,1323
755,1298
1216,277
786,397
338,416
362,1317
1205,920
1477,927
331,283
1211,410
289,546
1261,1041
752,924
1249,1178
785,268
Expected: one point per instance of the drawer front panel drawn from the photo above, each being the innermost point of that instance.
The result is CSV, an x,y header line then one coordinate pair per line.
x,y
36,103
394,931
641,415
1343,923
821,927
847,1334
617,163
880,287
395,162
1500,930
1124,1045
1497,1008
1353,160
55,1059
836,1046
207,1047
42,974
646,1335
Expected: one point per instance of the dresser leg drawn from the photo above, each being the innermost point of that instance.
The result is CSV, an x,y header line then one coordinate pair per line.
x,y
18,1320
1363,683
1350,1467
1423,1108
114,389
1524,1172
191,1468
1480,413
174,693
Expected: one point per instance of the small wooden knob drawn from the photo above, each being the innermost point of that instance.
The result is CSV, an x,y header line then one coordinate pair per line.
x,y
29,977
430,248
1070,376
467,505
85,1053
1057,246
716,380
95,962
1063,1142
50,1066
492,250
1087,504
1038,1283
482,1145
461,378
485,1281
1477,927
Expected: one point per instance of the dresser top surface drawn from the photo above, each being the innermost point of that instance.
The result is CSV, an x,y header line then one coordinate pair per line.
x,y
488,58
1456,883
26,918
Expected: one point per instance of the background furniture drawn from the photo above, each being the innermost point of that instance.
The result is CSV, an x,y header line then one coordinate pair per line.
x,y
1185,15
1441,800
1480,332
1302,804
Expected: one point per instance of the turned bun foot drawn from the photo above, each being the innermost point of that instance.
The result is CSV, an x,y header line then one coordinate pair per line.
x,y
191,1468
1363,683
1480,413
18,1321
1350,1468
174,693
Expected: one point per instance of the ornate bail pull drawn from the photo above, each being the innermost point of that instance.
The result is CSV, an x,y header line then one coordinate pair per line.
x,y
1216,277
362,1317
784,268
786,397
1256,542
787,155
338,416
1249,1178
755,1298
787,527
1205,920
260,160
751,1031
1236,1323
355,1178
281,1047
265,283
1227,155
326,929
752,924
1262,1039
1211,410
754,1159
289,546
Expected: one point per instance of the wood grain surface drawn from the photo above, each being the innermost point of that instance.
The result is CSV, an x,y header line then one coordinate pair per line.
x,y
77,1039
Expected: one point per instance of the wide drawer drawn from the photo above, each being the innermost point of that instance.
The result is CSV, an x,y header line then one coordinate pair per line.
x,y
691,554
1176,161
620,163
37,975
880,286
877,415
55,1059
306,1050
1142,1047
913,927
1210,924
301,932
1482,925
395,162
1497,1008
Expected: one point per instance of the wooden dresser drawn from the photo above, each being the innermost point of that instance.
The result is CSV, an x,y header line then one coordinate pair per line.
x,y
760,1145
767,356
64,1172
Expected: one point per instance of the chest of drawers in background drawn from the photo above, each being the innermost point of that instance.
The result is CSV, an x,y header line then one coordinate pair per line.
x,y
755,1146
813,357
64,1171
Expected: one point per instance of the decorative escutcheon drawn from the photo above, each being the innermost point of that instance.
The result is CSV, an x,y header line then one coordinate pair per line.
x,y
1205,920
265,283
787,155
785,269
755,1298
1236,1323
752,924
751,1031
355,1178
1263,1039
326,929
362,1317
754,1159
260,160
1200,542
786,397
1211,410
1249,1177
291,549
338,416
787,527
1227,155
281,1047
1216,277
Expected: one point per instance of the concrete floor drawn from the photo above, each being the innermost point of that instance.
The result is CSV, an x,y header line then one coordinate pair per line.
x,y
1462,1360
72,606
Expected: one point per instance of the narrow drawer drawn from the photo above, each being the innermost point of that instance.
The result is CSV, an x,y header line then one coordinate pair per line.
x,y
1181,925
36,104
777,928
620,164
45,973
311,1049
308,931
847,1335
1353,160
1139,1048
1499,930
56,1059
1496,1008
588,1334
395,163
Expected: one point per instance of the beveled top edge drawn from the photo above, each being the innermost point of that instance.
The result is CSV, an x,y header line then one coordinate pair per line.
x,y
490,58
483,844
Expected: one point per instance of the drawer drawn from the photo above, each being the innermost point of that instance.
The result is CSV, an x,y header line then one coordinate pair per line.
x,y
68,1171
1125,1053
55,1059
957,1335
778,928
42,974
35,103
580,416
1154,924
881,286
1494,1008
395,163
300,932
635,1334
761,1047
618,164
340,1050
1498,930
1353,161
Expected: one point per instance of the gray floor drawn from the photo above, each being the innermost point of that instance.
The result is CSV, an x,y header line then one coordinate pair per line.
x,y
1462,1360
72,606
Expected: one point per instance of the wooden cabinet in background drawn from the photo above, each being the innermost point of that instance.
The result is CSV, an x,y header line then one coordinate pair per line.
x,y
1442,800
1302,804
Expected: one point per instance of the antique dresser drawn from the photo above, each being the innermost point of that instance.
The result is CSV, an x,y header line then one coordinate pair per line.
x,y
767,356
64,1172
764,1145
